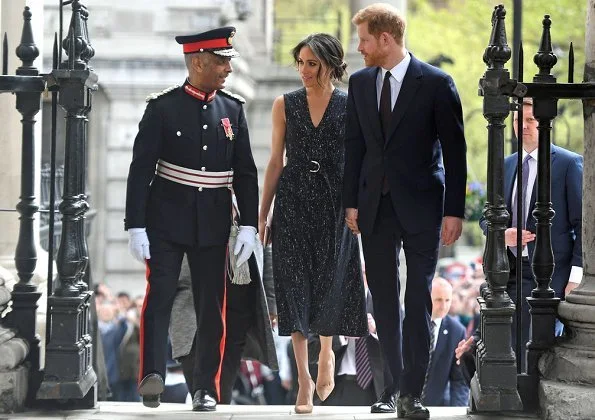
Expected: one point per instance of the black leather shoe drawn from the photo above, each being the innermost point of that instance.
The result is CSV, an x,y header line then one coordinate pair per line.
x,y
204,401
410,407
150,388
386,403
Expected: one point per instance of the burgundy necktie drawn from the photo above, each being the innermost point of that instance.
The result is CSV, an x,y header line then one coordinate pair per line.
x,y
525,184
385,110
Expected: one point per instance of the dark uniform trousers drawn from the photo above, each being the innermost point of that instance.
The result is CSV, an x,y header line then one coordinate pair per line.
x,y
208,272
240,314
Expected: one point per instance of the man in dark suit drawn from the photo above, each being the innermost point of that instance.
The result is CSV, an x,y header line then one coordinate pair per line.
x,y
405,176
567,198
445,384
192,148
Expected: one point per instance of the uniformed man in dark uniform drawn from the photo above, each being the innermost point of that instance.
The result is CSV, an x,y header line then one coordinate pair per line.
x,y
191,150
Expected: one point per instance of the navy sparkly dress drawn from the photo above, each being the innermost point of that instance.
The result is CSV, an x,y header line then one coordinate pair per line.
x,y
316,267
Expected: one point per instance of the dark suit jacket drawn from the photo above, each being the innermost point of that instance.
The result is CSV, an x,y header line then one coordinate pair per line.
x,y
423,157
184,131
567,202
446,383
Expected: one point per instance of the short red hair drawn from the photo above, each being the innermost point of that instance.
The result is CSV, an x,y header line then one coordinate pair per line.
x,y
382,17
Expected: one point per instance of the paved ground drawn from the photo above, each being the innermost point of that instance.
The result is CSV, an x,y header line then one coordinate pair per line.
x,y
134,411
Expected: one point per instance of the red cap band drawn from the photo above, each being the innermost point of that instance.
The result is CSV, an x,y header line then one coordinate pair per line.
x,y
210,44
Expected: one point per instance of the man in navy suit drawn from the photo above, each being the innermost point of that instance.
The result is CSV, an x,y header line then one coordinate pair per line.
x,y
445,384
405,175
567,199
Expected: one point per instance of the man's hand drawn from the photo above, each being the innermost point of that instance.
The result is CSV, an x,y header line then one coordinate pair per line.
x,y
570,287
463,347
245,244
138,244
510,237
273,319
451,229
351,219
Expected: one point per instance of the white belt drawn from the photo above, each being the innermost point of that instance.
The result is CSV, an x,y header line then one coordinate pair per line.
x,y
194,177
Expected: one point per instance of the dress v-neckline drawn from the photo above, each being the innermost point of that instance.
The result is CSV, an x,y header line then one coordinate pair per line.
x,y
323,114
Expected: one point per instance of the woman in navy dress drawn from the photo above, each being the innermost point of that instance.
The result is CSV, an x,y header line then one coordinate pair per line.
x,y
316,266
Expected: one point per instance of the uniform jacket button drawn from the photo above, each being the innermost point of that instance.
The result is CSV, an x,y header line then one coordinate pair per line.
x,y
204,147
204,127
178,133
199,188
204,107
203,168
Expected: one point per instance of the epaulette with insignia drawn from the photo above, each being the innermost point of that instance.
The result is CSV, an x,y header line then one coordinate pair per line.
x,y
163,92
233,96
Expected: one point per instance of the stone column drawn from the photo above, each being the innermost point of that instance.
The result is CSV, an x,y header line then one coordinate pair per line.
x,y
568,384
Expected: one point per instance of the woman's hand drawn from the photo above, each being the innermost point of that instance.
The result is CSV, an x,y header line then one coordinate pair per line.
x,y
262,225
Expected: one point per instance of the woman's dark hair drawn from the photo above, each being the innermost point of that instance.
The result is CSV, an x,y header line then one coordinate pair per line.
x,y
328,50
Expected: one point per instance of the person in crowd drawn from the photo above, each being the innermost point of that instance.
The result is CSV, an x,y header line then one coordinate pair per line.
x,y
318,283
191,150
359,376
566,235
404,185
444,383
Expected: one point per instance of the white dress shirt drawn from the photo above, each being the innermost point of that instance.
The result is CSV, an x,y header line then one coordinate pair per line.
x,y
397,74
576,273
438,322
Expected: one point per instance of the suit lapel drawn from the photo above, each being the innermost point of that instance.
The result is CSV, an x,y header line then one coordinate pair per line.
x,y
411,83
371,103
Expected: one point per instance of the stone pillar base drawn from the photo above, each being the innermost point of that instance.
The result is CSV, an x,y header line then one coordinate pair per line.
x,y
13,389
559,400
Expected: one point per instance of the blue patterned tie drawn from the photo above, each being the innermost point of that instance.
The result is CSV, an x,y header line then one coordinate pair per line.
x,y
525,183
362,363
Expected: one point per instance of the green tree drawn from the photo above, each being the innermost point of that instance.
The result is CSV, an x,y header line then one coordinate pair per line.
x,y
460,29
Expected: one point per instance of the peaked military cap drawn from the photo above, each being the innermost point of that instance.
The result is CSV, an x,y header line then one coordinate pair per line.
x,y
218,41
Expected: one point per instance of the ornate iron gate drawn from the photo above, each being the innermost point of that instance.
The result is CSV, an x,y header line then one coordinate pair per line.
x,y
68,374
497,386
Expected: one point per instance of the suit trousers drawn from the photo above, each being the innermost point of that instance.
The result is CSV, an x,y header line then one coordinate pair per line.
x,y
528,284
208,272
405,348
240,317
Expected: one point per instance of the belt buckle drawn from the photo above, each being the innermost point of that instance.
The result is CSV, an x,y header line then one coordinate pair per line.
x,y
317,166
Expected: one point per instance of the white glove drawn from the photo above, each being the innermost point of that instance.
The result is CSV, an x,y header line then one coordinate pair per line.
x,y
246,243
138,244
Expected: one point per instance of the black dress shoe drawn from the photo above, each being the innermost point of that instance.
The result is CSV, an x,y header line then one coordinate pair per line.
x,y
150,388
204,401
410,407
386,403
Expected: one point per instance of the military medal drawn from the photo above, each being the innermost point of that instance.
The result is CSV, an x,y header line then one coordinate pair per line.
x,y
227,128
